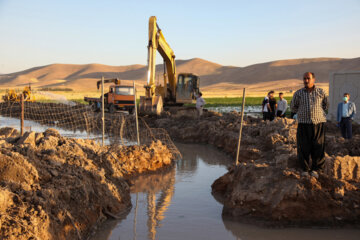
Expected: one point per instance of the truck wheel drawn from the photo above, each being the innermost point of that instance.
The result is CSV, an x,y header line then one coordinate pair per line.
x,y
94,107
131,111
111,108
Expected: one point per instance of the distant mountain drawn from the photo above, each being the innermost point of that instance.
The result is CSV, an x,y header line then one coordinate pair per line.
x,y
280,75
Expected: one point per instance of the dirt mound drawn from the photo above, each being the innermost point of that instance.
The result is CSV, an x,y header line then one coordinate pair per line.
x,y
281,196
52,187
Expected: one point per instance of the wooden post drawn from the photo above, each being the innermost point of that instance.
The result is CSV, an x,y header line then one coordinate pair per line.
x,y
102,111
241,124
22,114
136,116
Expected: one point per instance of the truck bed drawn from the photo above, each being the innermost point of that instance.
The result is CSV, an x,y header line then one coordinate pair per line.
x,y
89,99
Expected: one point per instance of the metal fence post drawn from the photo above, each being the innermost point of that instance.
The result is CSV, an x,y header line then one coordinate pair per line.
x,y
136,116
102,111
241,124
22,114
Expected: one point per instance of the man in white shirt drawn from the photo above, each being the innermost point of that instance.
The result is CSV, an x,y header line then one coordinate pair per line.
x,y
281,106
200,103
345,115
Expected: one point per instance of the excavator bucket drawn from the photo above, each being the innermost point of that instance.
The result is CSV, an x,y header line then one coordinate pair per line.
x,y
152,105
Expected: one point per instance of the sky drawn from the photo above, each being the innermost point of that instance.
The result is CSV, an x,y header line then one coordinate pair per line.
x,y
229,32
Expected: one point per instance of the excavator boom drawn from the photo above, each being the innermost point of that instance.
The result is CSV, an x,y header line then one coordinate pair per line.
x,y
157,42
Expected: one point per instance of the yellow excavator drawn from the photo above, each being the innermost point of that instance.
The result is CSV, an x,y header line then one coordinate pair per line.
x,y
174,91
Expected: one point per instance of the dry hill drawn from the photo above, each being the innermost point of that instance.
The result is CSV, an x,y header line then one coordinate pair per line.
x,y
215,79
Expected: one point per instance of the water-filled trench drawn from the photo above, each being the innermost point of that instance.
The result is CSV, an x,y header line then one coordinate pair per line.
x,y
176,203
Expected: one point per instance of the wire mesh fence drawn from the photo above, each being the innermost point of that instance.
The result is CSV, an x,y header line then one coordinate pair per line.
x,y
120,128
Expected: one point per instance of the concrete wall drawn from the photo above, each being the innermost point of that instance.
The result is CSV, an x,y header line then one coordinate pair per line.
x,y
340,83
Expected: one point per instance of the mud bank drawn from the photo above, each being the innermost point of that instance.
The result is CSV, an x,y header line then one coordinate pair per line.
x,y
258,139
52,187
266,187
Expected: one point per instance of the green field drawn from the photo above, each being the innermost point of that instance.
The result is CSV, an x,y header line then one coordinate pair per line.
x,y
223,102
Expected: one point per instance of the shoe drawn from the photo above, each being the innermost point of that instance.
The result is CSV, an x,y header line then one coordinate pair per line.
x,y
314,174
305,174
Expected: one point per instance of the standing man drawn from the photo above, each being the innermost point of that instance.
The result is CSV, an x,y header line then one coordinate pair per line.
x,y
345,113
266,107
310,104
281,106
273,105
200,102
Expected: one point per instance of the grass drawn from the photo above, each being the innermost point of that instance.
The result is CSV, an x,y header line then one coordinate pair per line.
x,y
235,101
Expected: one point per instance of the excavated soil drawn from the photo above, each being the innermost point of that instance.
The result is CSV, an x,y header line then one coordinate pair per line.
x,y
266,187
52,187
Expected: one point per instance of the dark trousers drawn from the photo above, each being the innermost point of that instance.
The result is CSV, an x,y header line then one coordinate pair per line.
x,y
268,116
271,116
278,114
265,116
346,128
311,142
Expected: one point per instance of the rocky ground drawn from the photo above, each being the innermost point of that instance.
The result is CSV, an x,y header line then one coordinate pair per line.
x,y
52,187
266,186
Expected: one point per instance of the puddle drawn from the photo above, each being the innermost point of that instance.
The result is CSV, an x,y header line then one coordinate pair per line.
x,y
177,204
247,109
37,127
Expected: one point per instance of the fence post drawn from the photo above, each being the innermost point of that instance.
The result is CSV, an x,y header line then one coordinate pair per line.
x,y
136,116
102,111
22,114
241,124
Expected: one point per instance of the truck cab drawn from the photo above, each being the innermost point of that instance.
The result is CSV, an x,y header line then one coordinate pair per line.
x,y
120,97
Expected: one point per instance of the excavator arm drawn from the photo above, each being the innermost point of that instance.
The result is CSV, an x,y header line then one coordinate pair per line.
x,y
116,81
158,43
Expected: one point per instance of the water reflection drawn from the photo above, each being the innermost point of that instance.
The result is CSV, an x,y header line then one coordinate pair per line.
x,y
170,200
159,190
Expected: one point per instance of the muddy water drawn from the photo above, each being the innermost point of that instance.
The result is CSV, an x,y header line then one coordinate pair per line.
x,y
177,204
37,127
226,109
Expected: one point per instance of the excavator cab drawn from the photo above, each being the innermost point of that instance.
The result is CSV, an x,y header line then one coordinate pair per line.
x,y
187,87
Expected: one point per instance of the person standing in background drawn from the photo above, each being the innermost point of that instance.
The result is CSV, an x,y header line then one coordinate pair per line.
x,y
273,106
268,107
265,107
310,104
200,103
345,114
281,106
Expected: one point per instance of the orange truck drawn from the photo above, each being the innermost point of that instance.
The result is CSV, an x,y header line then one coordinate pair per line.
x,y
119,97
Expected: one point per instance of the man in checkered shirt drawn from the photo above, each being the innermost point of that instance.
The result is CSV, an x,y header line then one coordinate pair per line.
x,y
310,104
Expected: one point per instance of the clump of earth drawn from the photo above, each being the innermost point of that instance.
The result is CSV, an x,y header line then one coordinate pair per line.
x,y
53,187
